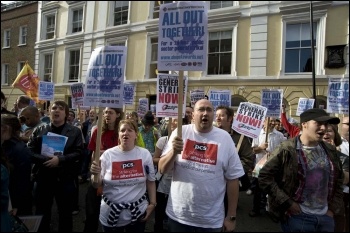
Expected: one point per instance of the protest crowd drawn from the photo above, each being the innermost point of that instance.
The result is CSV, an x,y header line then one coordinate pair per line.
x,y
182,163
248,167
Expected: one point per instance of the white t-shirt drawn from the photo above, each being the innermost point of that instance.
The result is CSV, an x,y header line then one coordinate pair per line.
x,y
124,175
165,179
199,176
274,139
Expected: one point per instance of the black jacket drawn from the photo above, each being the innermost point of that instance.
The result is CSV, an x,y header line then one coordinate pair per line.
x,y
68,162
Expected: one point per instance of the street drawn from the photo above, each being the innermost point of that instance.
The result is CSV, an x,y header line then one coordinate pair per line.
x,y
245,223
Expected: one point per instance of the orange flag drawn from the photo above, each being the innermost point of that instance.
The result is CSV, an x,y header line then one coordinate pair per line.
x,y
28,82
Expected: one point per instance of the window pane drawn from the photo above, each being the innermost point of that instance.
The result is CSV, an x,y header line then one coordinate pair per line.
x,y
121,10
225,61
226,45
305,60
213,63
292,61
293,35
214,46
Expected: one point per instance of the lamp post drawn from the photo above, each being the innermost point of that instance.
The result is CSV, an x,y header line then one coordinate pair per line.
x,y
312,54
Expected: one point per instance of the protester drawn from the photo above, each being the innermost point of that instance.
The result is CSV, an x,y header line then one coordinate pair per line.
x,y
31,117
22,102
332,137
3,104
109,139
163,180
19,158
224,119
135,117
5,198
188,114
207,166
303,178
86,129
72,120
263,146
344,132
55,175
148,135
291,129
126,173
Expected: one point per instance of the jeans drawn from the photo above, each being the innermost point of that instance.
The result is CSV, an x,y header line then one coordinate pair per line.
x,y
308,223
92,209
174,226
133,227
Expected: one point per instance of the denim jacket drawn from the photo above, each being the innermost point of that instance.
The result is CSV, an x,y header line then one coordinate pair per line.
x,y
68,162
279,178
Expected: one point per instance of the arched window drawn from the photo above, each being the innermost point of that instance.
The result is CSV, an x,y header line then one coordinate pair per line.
x,y
236,100
321,102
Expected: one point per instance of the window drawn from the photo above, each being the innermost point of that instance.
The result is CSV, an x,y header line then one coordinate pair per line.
x,y
74,60
20,66
154,60
23,35
220,52
156,8
48,68
298,47
5,74
50,27
77,23
7,37
121,9
220,4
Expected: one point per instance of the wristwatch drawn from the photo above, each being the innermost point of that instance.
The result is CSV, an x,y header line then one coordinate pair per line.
x,y
154,204
232,218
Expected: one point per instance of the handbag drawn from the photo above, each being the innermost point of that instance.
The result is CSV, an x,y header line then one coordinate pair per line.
x,y
17,224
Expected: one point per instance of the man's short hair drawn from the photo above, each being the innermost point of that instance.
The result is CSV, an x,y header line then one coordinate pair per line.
x,y
23,99
229,111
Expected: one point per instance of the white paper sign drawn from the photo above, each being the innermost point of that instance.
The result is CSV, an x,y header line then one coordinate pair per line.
x,y
272,100
105,77
46,90
338,96
304,104
183,36
249,119
167,95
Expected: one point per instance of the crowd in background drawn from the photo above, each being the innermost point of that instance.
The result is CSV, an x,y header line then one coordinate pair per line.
x,y
30,182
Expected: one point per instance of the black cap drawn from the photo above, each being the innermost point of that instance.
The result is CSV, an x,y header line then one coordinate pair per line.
x,y
318,115
148,119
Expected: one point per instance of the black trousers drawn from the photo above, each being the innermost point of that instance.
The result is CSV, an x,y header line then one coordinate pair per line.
x,y
63,192
160,215
92,208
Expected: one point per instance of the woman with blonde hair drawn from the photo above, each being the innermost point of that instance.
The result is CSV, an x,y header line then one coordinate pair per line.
x,y
126,173
109,139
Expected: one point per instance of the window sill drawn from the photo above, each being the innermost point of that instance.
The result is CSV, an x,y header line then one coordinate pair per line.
x,y
6,47
21,45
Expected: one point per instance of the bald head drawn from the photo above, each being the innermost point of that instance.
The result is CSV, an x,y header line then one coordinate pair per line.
x,y
203,115
31,115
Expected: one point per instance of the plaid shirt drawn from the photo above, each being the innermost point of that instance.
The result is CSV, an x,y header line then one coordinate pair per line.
x,y
302,168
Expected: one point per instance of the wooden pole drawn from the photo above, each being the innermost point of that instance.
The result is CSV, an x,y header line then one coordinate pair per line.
x,y
98,139
180,103
240,142
267,129
5,104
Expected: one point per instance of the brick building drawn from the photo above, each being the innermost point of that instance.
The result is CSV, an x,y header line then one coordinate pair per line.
x,y
18,36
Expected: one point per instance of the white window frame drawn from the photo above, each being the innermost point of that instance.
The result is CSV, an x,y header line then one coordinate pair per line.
x,y
45,16
152,11
68,64
42,56
22,40
45,68
5,74
234,4
7,38
20,65
320,19
110,21
219,52
225,26
74,7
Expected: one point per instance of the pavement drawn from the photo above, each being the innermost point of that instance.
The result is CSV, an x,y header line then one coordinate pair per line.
x,y
245,223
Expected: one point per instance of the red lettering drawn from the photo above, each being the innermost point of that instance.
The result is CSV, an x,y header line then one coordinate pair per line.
x,y
168,98
254,122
